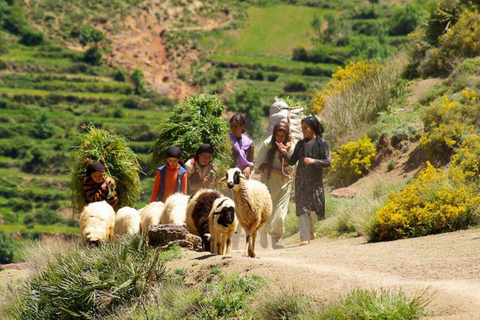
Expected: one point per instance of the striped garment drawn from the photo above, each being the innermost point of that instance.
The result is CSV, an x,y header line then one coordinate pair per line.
x,y
94,192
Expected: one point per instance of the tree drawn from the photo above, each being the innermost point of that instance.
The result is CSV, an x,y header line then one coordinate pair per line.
x,y
317,28
95,39
138,82
249,103
43,129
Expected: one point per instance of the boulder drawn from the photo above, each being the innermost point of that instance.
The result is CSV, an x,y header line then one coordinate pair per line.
x,y
344,193
166,235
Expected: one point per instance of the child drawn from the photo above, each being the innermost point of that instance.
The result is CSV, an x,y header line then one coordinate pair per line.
x,y
243,150
312,154
171,177
276,176
200,169
97,187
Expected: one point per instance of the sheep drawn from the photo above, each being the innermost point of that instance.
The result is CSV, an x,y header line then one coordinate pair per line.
x,y
198,209
222,225
175,209
97,222
151,214
127,221
253,205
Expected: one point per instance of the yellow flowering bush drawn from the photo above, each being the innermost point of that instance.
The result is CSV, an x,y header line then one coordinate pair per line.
x,y
344,78
467,156
461,40
437,201
351,161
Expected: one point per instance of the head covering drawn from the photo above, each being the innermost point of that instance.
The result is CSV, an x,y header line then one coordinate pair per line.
x,y
204,148
174,152
95,167
314,124
281,125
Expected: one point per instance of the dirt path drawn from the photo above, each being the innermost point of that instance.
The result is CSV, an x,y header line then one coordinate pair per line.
x,y
447,266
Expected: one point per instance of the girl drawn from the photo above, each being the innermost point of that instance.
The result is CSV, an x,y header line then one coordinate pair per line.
x,y
243,150
97,187
171,177
276,176
200,169
312,154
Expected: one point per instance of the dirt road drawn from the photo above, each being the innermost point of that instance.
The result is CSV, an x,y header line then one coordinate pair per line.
x,y
446,265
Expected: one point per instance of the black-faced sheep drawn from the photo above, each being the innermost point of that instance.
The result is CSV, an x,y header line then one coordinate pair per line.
x,y
97,222
253,206
151,214
175,209
127,221
222,226
198,209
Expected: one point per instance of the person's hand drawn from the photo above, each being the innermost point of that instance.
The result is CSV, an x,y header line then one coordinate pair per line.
x,y
206,179
283,148
308,161
246,172
288,145
110,180
214,167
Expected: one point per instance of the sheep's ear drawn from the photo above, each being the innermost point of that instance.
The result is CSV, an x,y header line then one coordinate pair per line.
x,y
223,179
242,176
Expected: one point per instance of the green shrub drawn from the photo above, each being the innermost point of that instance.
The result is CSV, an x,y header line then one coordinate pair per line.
x,y
120,75
405,20
89,283
43,128
7,248
138,81
295,85
300,54
32,38
15,20
93,56
282,305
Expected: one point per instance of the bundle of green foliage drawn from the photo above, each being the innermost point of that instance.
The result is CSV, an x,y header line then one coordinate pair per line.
x,y
196,121
6,248
120,163
85,283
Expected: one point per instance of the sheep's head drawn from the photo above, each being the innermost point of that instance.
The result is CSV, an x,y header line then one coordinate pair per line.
x,y
225,208
233,177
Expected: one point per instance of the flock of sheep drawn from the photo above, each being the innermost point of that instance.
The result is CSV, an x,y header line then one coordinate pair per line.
x,y
206,213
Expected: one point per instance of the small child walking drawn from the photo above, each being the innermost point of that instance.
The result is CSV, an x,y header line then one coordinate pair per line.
x,y
97,187
171,177
243,149
312,154
200,169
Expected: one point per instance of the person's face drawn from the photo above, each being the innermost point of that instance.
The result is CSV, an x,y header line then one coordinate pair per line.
x,y
307,131
205,158
172,162
97,177
281,136
236,129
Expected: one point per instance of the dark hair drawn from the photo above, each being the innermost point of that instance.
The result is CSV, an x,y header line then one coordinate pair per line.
x,y
279,125
175,152
95,167
238,118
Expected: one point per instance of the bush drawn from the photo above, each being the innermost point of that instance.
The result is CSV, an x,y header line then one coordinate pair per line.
x,y
295,85
406,20
86,283
467,156
7,248
351,161
437,201
300,54
14,20
32,38
282,305
120,75
138,81
93,56
248,102
272,77
43,128
29,221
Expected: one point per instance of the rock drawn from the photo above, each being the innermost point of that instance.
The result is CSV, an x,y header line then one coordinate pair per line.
x,y
344,193
165,235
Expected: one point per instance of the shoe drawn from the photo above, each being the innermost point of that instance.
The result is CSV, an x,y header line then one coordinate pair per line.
x,y
313,236
263,239
275,244
304,243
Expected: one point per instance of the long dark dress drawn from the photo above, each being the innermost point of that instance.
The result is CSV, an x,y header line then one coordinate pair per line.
x,y
309,193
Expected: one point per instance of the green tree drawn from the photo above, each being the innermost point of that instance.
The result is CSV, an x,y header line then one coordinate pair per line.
x,y
249,103
406,20
317,28
333,27
7,248
138,81
95,39
43,128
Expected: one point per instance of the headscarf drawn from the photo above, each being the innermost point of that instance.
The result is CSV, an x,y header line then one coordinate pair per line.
x,y
204,148
279,125
174,152
95,167
315,125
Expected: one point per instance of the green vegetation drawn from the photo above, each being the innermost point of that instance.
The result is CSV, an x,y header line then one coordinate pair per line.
x,y
6,248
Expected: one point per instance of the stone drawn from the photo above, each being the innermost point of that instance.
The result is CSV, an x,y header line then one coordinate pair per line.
x,y
166,235
344,193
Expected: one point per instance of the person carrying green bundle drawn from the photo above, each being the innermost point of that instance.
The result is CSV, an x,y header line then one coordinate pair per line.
x,y
97,187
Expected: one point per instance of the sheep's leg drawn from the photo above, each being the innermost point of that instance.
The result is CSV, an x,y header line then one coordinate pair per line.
x,y
246,252
218,246
212,243
229,244
251,248
112,235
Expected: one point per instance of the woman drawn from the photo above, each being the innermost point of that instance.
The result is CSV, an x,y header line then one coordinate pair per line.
x,y
200,169
276,175
312,154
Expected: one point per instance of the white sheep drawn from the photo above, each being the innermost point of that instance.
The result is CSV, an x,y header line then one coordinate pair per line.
x,y
222,225
97,222
253,205
175,209
127,221
198,209
151,214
